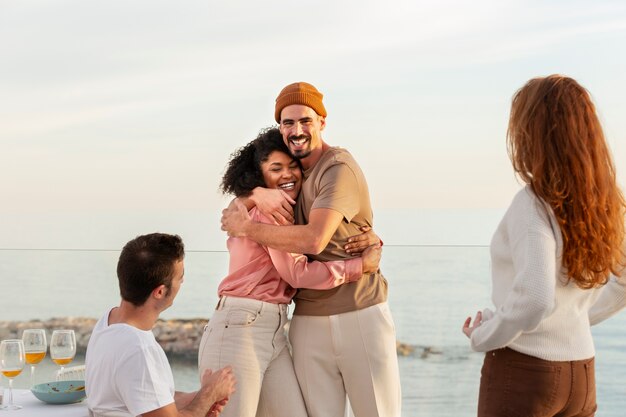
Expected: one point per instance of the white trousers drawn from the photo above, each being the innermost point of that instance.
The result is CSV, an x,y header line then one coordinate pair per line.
x,y
249,335
351,353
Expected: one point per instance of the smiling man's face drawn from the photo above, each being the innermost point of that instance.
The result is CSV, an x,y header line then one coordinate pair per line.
x,y
302,129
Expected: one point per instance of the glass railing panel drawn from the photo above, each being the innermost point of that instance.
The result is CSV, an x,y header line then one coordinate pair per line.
x,y
431,291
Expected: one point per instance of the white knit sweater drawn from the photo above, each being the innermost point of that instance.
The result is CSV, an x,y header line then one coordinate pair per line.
x,y
537,312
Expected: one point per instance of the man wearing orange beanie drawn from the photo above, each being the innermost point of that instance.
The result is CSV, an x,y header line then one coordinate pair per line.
x,y
343,339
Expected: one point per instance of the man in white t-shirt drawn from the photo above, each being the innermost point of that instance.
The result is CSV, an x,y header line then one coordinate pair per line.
x,y
127,372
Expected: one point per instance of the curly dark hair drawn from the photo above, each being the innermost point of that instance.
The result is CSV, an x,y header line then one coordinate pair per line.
x,y
243,172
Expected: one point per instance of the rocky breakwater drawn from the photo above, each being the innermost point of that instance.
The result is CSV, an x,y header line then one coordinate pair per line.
x,y
81,326
179,338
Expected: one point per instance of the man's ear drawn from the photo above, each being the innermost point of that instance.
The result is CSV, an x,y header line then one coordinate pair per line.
x,y
159,292
322,122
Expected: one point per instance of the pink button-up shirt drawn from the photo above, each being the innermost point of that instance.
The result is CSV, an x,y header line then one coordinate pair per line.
x,y
270,275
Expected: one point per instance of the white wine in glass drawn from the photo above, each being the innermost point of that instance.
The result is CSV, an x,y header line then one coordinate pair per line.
x,y
35,346
62,348
12,359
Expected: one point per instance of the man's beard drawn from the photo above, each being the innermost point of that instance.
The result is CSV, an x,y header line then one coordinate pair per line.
x,y
300,153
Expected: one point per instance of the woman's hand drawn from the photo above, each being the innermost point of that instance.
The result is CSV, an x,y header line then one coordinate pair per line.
x,y
358,243
274,204
468,329
371,258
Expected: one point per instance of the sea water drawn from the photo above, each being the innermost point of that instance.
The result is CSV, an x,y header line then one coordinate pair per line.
x,y
432,289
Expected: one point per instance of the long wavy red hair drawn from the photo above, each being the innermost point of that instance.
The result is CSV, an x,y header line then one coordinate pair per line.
x,y
557,146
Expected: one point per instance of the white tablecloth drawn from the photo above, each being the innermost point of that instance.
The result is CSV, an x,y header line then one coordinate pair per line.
x,y
32,407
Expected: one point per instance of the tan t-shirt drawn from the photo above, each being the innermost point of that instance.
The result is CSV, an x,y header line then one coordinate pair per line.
x,y
336,182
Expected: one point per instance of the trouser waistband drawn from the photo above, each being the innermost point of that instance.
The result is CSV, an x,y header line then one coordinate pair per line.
x,y
251,303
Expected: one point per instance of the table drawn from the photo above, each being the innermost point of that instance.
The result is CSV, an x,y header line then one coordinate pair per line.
x,y
32,407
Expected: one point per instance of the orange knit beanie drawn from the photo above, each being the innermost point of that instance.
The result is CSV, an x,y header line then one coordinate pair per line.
x,y
299,93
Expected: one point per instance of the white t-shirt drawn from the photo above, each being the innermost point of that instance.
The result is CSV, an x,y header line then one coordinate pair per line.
x,y
126,371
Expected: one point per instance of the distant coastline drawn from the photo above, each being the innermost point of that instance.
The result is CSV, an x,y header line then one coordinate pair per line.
x,y
179,338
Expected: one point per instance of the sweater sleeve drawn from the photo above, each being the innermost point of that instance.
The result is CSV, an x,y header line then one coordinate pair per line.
x,y
531,297
612,297
300,273
611,300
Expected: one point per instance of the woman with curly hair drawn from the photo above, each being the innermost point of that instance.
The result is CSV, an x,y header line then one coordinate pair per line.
x,y
247,327
558,259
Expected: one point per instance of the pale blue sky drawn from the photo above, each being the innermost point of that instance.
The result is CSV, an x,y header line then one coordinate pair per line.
x,y
117,117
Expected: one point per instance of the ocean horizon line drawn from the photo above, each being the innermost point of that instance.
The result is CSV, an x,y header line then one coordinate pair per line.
x,y
416,245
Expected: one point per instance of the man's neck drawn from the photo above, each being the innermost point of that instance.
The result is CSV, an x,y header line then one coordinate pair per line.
x,y
143,317
314,156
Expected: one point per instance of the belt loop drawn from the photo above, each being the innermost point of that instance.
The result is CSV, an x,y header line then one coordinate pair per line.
x,y
220,302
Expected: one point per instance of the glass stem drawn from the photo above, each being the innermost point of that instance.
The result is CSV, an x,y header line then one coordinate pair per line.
x,y
59,373
32,375
10,392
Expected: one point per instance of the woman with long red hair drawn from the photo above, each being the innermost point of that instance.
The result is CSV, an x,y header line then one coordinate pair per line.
x,y
558,259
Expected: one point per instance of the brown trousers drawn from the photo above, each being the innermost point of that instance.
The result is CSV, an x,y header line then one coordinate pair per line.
x,y
513,384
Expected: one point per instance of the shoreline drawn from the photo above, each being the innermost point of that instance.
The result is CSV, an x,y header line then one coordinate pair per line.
x,y
179,338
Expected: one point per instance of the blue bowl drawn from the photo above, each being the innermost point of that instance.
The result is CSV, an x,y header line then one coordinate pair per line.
x,y
60,392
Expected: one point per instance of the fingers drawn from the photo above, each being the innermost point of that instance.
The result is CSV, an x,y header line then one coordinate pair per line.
x,y
371,259
205,377
290,200
283,217
283,214
357,244
467,322
226,370
218,407
226,382
466,329
365,228
286,210
379,252
231,206
232,203
357,238
372,252
222,219
478,319
240,206
228,211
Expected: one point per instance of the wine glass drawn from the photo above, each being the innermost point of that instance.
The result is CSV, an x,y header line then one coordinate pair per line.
x,y
62,348
35,347
12,360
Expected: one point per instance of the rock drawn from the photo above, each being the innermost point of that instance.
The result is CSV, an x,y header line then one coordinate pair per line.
x,y
430,350
404,349
81,326
179,338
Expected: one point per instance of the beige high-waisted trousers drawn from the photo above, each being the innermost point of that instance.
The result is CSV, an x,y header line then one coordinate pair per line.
x,y
355,350
249,335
